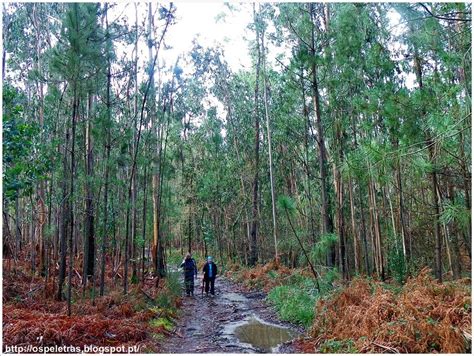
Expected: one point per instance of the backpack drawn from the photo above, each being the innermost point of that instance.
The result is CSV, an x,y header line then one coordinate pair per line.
x,y
189,265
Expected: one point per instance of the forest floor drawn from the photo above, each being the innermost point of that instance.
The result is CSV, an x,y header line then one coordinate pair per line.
x,y
150,318
235,320
364,315
34,321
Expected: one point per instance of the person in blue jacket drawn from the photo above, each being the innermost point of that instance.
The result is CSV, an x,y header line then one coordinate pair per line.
x,y
210,273
190,270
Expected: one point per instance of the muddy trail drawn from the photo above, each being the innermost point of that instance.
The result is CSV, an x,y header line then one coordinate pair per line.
x,y
232,321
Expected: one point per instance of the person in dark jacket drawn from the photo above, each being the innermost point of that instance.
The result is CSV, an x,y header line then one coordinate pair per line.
x,y
210,273
190,270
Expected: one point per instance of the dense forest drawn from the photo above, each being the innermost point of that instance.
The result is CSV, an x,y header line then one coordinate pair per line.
x,y
344,149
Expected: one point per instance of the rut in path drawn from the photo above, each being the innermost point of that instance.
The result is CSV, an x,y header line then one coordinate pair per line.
x,y
207,324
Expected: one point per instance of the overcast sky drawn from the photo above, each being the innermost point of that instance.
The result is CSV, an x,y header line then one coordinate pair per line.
x,y
199,19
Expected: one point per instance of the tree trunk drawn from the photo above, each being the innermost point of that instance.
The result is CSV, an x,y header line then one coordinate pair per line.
x,y
107,157
457,266
269,137
144,222
355,234
134,183
64,220
406,236
437,227
41,195
327,225
253,232
71,196
89,241
377,238
308,127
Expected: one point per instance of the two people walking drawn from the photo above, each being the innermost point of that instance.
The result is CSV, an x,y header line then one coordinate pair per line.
x,y
190,272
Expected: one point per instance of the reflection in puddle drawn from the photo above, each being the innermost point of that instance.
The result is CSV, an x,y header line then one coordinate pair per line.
x,y
263,336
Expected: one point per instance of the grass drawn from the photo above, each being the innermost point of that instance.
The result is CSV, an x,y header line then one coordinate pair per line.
x,y
294,300
293,292
294,303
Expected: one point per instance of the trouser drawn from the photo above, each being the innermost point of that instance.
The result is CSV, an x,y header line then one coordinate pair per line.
x,y
211,282
189,284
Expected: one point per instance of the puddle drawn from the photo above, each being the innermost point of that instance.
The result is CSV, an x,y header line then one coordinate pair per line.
x,y
261,335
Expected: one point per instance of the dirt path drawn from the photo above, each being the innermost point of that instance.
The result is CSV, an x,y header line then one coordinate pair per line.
x,y
211,324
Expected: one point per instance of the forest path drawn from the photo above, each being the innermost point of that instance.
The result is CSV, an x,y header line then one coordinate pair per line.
x,y
233,321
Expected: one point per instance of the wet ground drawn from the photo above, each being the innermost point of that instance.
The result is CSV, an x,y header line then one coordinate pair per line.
x,y
233,321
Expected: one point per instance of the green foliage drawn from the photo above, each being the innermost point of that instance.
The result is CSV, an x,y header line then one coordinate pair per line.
x,y
286,203
338,346
22,166
175,258
199,130
162,322
397,264
456,211
173,284
208,234
328,277
322,247
295,299
294,304
172,290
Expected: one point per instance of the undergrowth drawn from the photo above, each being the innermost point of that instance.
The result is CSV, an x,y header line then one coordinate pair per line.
x,y
293,292
31,315
293,304
423,316
367,316
294,299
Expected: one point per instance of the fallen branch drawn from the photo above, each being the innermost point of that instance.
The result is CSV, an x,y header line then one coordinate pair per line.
x,y
388,348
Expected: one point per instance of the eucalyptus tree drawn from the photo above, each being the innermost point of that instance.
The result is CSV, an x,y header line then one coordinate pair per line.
x,y
262,53
306,27
254,230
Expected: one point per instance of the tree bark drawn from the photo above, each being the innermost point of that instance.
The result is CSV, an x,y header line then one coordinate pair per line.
x,y
327,225
89,245
107,158
253,232
64,214
71,193
269,137
41,194
355,234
